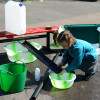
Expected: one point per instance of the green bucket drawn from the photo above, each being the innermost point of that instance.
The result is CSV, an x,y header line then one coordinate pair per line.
x,y
13,77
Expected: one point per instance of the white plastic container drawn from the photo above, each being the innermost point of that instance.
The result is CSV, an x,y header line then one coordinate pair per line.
x,y
62,81
15,17
37,74
15,52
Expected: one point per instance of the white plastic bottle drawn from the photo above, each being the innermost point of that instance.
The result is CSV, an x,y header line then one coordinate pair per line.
x,y
15,17
37,74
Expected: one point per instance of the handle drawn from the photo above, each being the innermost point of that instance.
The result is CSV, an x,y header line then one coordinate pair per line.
x,y
20,61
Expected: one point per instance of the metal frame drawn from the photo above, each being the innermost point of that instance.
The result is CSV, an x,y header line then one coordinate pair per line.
x,y
47,35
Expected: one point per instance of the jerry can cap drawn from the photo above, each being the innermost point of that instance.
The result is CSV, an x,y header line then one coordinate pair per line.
x,y
21,4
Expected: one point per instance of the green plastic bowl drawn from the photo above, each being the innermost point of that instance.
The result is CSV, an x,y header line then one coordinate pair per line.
x,y
62,81
16,51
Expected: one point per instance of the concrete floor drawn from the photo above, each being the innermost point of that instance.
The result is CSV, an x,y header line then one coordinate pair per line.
x,y
55,13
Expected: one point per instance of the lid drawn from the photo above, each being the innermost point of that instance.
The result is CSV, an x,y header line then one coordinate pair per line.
x,y
20,4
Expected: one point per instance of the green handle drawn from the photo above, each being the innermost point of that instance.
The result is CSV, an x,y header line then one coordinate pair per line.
x,y
20,61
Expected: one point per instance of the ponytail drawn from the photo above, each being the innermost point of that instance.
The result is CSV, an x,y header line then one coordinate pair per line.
x,y
63,36
55,36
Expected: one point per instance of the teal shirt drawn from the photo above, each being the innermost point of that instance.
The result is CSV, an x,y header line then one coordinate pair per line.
x,y
79,51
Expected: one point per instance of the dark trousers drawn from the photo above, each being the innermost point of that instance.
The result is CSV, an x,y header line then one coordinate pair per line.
x,y
89,67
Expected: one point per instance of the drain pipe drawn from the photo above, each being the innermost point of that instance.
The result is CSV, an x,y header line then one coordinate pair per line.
x,y
42,57
43,81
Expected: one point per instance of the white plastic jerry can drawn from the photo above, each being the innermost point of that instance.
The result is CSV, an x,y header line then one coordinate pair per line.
x,y
15,17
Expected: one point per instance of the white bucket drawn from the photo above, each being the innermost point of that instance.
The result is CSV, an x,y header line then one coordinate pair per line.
x,y
16,51
15,17
62,81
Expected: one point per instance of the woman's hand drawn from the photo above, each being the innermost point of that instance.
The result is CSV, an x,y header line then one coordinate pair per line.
x,y
60,64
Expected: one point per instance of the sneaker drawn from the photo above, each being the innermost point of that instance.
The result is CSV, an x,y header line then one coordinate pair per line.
x,y
87,77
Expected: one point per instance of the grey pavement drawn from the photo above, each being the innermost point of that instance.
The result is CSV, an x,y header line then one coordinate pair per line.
x,y
55,12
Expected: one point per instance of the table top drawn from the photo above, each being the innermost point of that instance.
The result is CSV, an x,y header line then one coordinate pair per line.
x,y
28,31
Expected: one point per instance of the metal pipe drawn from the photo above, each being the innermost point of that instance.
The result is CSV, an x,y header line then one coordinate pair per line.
x,y
23,38
45,77
48,40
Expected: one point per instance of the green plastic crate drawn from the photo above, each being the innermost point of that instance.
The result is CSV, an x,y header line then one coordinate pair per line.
x,y
86,32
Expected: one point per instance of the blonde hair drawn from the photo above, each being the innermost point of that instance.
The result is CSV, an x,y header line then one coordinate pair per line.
x,y
63,36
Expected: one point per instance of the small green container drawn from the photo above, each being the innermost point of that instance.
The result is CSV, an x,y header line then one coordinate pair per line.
x,y
54,45
13,77
62,81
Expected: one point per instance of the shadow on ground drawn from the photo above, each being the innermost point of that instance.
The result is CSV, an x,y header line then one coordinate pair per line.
x,y
4,58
